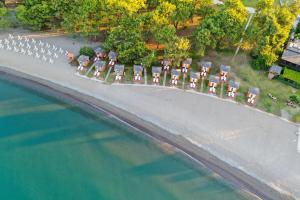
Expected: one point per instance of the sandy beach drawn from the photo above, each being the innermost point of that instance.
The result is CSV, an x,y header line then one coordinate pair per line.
x,y
255,150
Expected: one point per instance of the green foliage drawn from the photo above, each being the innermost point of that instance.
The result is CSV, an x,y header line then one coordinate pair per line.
x,y
3,12
294,99
270,30
84,17
291,75
148,59
223,28
178,50
165,35
127,40
87,51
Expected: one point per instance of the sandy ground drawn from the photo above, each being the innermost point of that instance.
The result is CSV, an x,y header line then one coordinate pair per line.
x,y
262,145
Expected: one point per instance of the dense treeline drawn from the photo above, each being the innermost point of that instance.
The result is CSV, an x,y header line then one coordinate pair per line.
x,y
131,24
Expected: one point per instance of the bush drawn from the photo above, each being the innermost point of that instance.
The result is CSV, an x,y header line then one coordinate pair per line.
x,y
294,99
87,51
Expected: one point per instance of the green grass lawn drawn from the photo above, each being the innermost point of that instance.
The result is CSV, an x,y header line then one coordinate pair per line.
x,y
242,72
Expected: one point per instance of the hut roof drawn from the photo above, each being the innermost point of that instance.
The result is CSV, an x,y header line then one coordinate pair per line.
x,y
234,84
99,64
99,50
187,61
225,68
254,90
83,58
156,69
176,72
205,64
119,68
112,55
275,69
138,68
214,79
292,52
195,75
166,62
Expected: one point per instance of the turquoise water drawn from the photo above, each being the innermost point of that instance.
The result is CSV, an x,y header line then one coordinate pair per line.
x,y
51,150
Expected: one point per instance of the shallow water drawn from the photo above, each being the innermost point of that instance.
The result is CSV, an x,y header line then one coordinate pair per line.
x,y
52,150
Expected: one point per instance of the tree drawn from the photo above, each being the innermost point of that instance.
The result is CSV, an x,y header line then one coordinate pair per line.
x,y
223,28
3,12
164,35
86,17
41,14
178,49
183,11
269,31
127,40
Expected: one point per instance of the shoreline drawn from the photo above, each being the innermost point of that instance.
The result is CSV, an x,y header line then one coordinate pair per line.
x,y
235,176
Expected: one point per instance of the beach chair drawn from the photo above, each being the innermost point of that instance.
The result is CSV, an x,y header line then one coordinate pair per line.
x,y
138,72
224,70
83,63
194,78
175,74
232,89
156,71
99,67
252,96
212,84
185,65
166,64
119,71
100,53
112,58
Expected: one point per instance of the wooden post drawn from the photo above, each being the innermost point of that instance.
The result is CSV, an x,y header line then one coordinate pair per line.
x,y
145,75
202,82
183,81
165,78
88,71
107,75
222,87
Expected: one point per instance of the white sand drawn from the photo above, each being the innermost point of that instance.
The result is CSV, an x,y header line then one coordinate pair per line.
x,y
260,144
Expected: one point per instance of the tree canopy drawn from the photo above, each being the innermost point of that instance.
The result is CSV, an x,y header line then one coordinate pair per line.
x,y
131,24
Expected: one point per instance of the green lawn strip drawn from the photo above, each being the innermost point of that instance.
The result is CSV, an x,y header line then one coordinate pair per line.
x,y
291,75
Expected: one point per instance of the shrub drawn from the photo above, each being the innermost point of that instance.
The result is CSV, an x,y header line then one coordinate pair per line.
x,y
87,51
294,99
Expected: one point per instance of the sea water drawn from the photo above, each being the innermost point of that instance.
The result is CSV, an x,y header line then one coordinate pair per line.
x,y
52,150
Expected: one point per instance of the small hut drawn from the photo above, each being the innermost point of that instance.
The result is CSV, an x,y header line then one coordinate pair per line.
x,y
275,70
194,78
138,72
232,88
99,66
112,56
156,71
83,63
166,63
119,71
100,53
252,95
175,74
185,65
213,83
224,70
205,68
